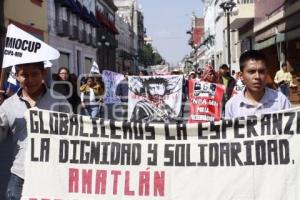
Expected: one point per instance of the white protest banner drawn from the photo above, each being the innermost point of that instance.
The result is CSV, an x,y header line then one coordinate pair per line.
x,y
95,68
205,101
47,64
111,81
22,48
77,157
238,88
159,69
154,98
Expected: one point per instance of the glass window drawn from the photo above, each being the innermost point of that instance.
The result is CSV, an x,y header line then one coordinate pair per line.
x,y
88,28
64,60
81,26
94,32
88,64
74,20
63,13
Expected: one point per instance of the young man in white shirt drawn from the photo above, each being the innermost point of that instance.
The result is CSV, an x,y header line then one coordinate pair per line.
x,y
32,93
256,97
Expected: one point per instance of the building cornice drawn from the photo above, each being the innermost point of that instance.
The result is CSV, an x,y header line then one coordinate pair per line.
x,y
279,16
111,4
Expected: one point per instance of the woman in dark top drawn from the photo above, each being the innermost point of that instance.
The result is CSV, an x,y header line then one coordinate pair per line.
x,y
65,84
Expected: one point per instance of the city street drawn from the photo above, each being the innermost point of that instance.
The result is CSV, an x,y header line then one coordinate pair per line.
x,y
149,99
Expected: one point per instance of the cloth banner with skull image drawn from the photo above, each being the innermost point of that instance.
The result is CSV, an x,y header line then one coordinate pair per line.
x,y
154,98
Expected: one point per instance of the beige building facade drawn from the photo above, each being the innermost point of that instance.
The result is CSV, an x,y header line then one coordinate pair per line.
x,y
30,15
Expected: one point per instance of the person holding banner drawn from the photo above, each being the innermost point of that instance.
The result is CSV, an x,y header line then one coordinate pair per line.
x,y
256,97
153,107
32,93
209,75
206,97
30,73
90,93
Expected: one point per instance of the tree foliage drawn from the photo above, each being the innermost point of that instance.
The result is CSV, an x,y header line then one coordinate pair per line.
x,y
150,56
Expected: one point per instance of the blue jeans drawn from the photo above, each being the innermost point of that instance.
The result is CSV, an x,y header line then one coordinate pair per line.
x,y
284,88
14,188
92,110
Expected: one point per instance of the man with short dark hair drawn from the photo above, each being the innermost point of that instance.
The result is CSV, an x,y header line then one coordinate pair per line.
x,y
228,81
256,97
32,93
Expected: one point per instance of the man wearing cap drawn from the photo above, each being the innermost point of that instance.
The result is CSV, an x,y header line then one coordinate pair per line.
x,y
32,93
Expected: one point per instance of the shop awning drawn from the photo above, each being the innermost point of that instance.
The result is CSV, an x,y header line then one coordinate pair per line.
x,y
95,23
105,22
113,28
265,44
71,5
76,10
102,19
66,3
280,37
82,14
86,14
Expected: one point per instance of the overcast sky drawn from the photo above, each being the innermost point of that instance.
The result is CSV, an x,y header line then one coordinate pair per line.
x,y
166,22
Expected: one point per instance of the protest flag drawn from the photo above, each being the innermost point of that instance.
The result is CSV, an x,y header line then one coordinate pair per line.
x,y
21,48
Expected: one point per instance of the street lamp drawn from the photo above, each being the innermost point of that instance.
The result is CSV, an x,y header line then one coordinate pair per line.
x,y
228,9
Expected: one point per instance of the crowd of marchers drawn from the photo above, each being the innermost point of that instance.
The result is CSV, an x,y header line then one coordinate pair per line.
x,y
67,94
243,89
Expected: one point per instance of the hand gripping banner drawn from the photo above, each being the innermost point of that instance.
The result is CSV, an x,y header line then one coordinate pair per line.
x,y
76,157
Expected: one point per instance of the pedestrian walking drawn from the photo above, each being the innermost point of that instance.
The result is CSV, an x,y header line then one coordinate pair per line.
x,y
209,75
90,94
66,84
228,81
283,79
